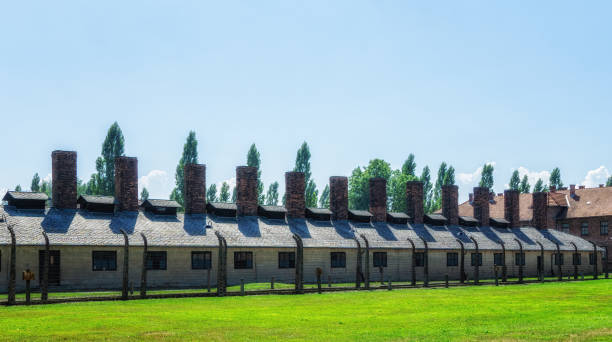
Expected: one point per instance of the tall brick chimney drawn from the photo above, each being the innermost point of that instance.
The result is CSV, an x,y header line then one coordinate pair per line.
x,y
450,203
246,190
511,208
126,183
481,205
414,201
338,197
540,210
572,190
64,179
194,177
378,199
295,202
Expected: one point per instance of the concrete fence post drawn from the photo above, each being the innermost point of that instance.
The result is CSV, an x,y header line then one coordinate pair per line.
x,y
367,262
126,264
559,261
595,271
412,265
358,274
12,265
504,267
272,283
575,260
242,287
44,281
462,263
541,265
521,256
143,273
425,263
222,265
478,261
299,264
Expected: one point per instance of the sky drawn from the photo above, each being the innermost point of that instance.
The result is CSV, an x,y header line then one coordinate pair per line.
x,y
521,84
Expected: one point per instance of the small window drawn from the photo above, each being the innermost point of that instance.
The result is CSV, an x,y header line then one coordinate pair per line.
x,y
243,260
380,259
476,259
565,228
200,260
286,259
156,260
603,228
558,259
519,259
577,259
584,229
104,260
419,259
498,259
452,259
338,259
591,259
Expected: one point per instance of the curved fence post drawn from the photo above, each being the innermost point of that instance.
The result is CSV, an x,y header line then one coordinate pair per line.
x,y
12,271
559,261
358,274
143,274
594,260
478,261
367,263
299,264
413,268
126,263
504,267
521,259
222,268
44,281
462,263
575,260
541,265
425,263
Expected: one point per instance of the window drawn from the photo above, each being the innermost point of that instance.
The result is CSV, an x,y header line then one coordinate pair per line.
x,y
565,228
603,228
104,260
476,259
338,259
498,259
380,259
452,259
519,259
591,259
286,259
156,260
558,259
584,228
243,260
200,260
577,259
419,259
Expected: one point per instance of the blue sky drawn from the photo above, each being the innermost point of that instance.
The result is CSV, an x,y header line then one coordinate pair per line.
x,y
521,84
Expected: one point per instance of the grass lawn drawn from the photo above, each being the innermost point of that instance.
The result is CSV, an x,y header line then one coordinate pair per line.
x,y
549,311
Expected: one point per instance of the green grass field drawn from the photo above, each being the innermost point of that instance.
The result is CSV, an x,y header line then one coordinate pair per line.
x,y
550,311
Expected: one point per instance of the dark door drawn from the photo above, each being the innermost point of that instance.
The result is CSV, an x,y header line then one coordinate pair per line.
x,y
54,266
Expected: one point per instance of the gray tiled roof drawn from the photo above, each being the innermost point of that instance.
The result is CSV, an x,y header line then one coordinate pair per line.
x,y
20,195
79,227
162,203
97,199
320,211
274,208
222,205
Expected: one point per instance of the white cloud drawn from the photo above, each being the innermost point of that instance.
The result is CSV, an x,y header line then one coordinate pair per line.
x,y
595,177
473,177
47,178
158,183
231,182
533,176
2,192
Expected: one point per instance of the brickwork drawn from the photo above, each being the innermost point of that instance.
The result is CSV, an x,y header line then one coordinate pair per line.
x,y
246,190
64,179
450,203
414,201
540,210
195,188
594,231
511,208
295,202
338,197
481,205
378,199
126,183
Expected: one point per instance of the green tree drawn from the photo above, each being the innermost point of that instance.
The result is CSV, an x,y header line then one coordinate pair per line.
x,y
555,178
486,179
449,176
224,194
359,194
35,187
18,187
437,192
272,195
103,183
524,187
539,186
190,156
515,181
302,164
324,199
45,187
427,189
144,194
409,167
81,187
396,188
211,194
234,195
254,160
609,181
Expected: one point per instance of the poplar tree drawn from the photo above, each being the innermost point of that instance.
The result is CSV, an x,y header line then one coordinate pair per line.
x,y
555,178
254,160
103,182
272,195
486,178
449,177
539,186
427,189
609,181
524,187
515,181
189,156
18,187
324,199
302,164
144,194
211,193
359,191
35,187
224,194
396,188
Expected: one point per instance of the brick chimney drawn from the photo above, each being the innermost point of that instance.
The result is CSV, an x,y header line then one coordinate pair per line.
x,y
540,210
378,199
511,208
471,198
552,188
295,202
450,203
414,201
338,197
581,187
572,190
481,205
64,179
126,183
601,185
246,190
194,177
